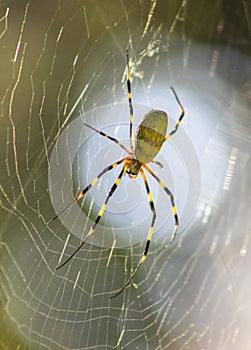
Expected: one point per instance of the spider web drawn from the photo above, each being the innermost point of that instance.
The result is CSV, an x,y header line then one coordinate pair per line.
x,y
64,62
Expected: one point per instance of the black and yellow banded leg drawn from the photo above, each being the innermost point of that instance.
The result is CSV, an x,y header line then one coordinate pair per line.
x,y
181,115
174,209
129,90
109,137
91,184
101,212
149,237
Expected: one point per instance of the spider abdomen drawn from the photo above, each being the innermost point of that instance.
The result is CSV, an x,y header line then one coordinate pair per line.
x,y
150,135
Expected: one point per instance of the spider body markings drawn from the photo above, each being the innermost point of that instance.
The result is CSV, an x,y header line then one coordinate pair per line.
x,y
149,138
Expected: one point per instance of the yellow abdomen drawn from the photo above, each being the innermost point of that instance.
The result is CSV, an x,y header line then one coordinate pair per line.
x,y
150,135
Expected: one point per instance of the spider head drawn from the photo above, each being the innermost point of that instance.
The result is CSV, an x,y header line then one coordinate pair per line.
x,y
133,168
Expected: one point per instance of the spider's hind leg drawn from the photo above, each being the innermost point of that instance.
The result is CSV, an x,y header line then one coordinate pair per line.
x,y
169,193
149,237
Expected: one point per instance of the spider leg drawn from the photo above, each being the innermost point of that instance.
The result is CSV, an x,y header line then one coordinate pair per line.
x,y
174,209
101,212
181,115
160,165
109,137
149,237
91,184
129,99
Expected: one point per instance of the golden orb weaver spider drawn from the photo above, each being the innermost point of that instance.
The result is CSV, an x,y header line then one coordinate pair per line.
x,y
150,136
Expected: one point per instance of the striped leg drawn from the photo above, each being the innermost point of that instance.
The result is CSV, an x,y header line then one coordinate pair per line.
x,y
149,237
174,209
91,184
109,137
101,212
181,115
129,99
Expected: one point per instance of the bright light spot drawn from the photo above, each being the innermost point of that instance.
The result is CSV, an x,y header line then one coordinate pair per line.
x,y
230,168
244,248
243,251
236,332
207,213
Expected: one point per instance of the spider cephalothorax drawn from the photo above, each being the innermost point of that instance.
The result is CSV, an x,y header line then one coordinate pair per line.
x,y
133,167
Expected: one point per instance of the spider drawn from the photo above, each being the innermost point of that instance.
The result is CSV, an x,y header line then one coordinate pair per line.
x,y
149,138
